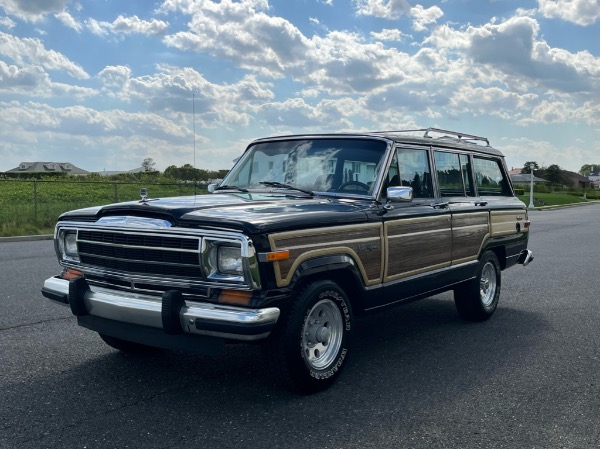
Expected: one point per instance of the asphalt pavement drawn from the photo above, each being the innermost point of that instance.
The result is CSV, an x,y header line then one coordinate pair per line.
x,y
418,377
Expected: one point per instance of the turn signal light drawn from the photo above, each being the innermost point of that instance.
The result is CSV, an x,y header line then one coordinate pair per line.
x,y
71,274
278,255
235,297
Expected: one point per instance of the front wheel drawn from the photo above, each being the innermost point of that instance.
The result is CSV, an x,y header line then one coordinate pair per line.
x,y
309,347
476,300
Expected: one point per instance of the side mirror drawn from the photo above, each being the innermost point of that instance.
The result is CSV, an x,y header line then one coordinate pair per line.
x,y
212,187
399,194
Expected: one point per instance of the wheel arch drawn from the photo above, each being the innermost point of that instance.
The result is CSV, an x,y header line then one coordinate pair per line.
x,y
339,268
499,250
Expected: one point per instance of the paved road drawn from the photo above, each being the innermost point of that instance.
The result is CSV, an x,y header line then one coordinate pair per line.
x,y
419,377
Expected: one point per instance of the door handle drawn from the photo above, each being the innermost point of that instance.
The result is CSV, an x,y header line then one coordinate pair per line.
x,y
440,205
481,203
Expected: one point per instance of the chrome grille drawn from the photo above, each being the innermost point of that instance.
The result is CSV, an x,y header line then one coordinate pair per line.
x,y
141,253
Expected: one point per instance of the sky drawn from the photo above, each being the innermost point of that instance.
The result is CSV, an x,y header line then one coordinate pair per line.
x,y
105,84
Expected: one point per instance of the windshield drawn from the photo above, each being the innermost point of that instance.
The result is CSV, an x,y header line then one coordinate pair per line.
x,y
319,165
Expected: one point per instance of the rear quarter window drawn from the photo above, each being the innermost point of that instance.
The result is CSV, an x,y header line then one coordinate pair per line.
x,y
490,178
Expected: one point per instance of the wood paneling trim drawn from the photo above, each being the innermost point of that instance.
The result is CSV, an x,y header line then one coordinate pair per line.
x,y
360,242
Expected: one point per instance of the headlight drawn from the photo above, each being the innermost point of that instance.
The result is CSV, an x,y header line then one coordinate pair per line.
x,y
229,260
67,245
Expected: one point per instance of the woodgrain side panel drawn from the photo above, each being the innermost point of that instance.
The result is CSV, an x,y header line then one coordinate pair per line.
x,y
469,231
505,222
361,242
417,245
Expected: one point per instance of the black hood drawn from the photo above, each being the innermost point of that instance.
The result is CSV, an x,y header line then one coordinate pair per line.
x,y
250,212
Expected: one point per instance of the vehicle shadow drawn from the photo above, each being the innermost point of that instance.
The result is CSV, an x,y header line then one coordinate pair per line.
x,y
407,364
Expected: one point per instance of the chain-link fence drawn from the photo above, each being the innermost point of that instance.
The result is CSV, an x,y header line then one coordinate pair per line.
x,y
40,202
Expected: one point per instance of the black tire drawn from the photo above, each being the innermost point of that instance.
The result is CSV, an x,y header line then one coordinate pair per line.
x,y
476,300
309,347
127,346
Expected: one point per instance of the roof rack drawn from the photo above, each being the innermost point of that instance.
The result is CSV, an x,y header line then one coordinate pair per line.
x,y
461,136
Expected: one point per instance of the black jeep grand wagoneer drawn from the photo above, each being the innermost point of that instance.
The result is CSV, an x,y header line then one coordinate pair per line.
x,y
304,233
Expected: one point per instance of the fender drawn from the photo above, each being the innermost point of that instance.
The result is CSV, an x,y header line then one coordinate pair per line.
x,y
327,263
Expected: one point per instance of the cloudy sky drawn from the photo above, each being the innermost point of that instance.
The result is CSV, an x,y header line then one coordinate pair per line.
x,y
104,84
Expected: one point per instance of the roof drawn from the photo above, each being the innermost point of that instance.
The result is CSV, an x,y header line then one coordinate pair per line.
x,y
576,176
523,178
48,167
447,139
119,172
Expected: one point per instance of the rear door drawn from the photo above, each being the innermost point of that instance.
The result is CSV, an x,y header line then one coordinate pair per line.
x,y
470,214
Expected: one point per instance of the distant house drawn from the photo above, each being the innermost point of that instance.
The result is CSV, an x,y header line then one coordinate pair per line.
x,y
572,179
48,168
525,178
594,176
116,172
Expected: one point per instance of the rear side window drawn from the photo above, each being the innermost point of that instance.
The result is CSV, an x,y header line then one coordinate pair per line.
x,y
454,174
490,178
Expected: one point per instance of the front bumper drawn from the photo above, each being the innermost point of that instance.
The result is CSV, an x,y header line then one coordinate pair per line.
x,y
170,314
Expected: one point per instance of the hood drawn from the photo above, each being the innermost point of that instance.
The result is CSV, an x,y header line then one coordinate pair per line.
x,y
249,212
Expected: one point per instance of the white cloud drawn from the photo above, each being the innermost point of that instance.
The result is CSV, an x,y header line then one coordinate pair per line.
x,y
172,90
21,79
68,20
32,51
296,113
127,25
242,33
393,35
6,22
33,10
580,12
387,9
424,17
515,49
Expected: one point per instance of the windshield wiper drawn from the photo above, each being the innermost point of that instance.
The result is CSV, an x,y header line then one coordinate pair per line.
x,y
281,185
239,189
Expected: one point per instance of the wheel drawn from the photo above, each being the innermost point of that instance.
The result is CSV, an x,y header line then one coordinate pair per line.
x,y
476,300
126,346
309,347
355,184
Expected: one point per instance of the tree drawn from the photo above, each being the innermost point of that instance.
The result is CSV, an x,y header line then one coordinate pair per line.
x,y
554,174
529,166
148,164
586,169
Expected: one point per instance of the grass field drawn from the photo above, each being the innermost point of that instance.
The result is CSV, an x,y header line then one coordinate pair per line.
x,y
557,199
32,207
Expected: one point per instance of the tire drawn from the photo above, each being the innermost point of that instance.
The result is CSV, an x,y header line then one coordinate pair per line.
x,y
309,347
476,300
127,346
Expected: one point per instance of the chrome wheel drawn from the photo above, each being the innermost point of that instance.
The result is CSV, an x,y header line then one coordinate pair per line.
x,y
322,334
487,284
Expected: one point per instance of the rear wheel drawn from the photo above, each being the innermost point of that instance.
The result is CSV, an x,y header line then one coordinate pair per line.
x,y
476,300
309,347
126,346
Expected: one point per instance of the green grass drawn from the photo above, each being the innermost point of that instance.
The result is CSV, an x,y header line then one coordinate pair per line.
x,y
555,199
30,207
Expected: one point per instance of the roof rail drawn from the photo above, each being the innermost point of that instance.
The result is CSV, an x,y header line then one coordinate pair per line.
x,y
460,136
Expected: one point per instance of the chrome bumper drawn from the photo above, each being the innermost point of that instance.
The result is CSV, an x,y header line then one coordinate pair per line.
x,y
169,313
